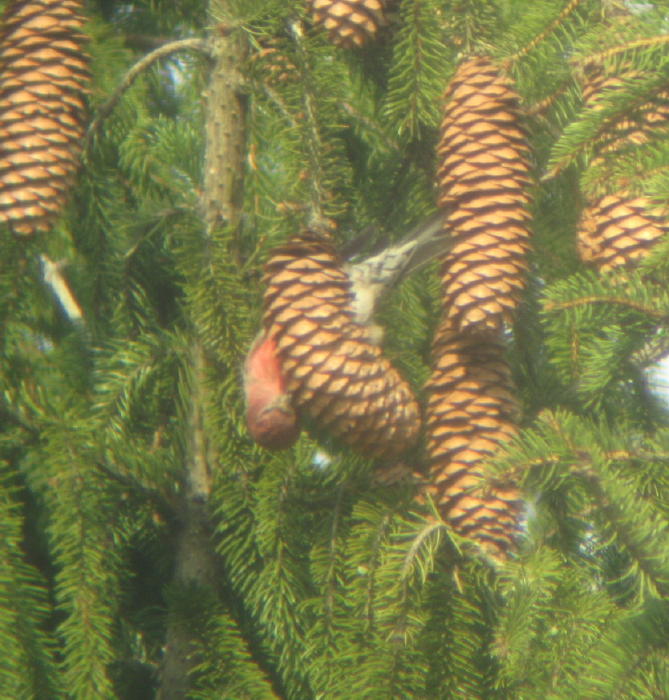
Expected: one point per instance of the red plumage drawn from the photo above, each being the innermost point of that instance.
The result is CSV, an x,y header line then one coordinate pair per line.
x,y
270,416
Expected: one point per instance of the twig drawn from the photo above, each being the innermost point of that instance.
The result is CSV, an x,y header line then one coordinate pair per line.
x,y
566,11
314,145
604,299
630,46
538,108
132,483
653,351
53,277
143,64
390,142
417,543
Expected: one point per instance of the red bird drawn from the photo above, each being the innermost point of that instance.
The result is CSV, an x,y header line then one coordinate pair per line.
x,y
270,417
271,413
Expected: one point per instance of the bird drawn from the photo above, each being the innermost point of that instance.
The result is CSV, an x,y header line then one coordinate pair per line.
x,y
317,355
271,419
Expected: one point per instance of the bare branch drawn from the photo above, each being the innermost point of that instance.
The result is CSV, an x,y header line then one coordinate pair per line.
x,y
144,63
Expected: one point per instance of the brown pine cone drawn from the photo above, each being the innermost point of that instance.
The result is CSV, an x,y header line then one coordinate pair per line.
x,y
349,23
483,176
471,410
43,81
338,378
619,230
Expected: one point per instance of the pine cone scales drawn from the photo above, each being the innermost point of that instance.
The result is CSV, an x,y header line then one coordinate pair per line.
x,y
471,410
337,376
619,230
483,180
349,23
483,177
44,74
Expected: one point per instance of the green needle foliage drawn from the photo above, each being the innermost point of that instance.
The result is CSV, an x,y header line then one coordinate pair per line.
x,y
148,548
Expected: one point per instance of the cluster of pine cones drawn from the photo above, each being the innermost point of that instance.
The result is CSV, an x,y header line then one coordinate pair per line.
x,y
316,358
334,372
484,181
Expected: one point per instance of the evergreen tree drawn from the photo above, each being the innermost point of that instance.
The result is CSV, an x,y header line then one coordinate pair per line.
x,y
148,548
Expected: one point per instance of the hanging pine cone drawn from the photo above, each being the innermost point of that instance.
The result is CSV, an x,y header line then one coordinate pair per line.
x,y
43,80
483,177
619,230
349,23
471,409
337,377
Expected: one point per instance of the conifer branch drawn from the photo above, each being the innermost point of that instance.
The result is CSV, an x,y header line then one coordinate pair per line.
x,y
390,142
315,147
372,569
131,482
331,577
586,458
538,108
279,579
566,11
417,543
623,48
653,351
601,299
628,533
581,460
144,63
281,105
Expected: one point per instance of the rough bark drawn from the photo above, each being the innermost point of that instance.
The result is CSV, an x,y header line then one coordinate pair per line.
x,y
195,566
225,115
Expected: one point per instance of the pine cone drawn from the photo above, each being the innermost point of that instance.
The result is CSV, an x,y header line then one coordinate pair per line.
x,y
337,376
483,177
471,409
619,230
349,23
43,80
